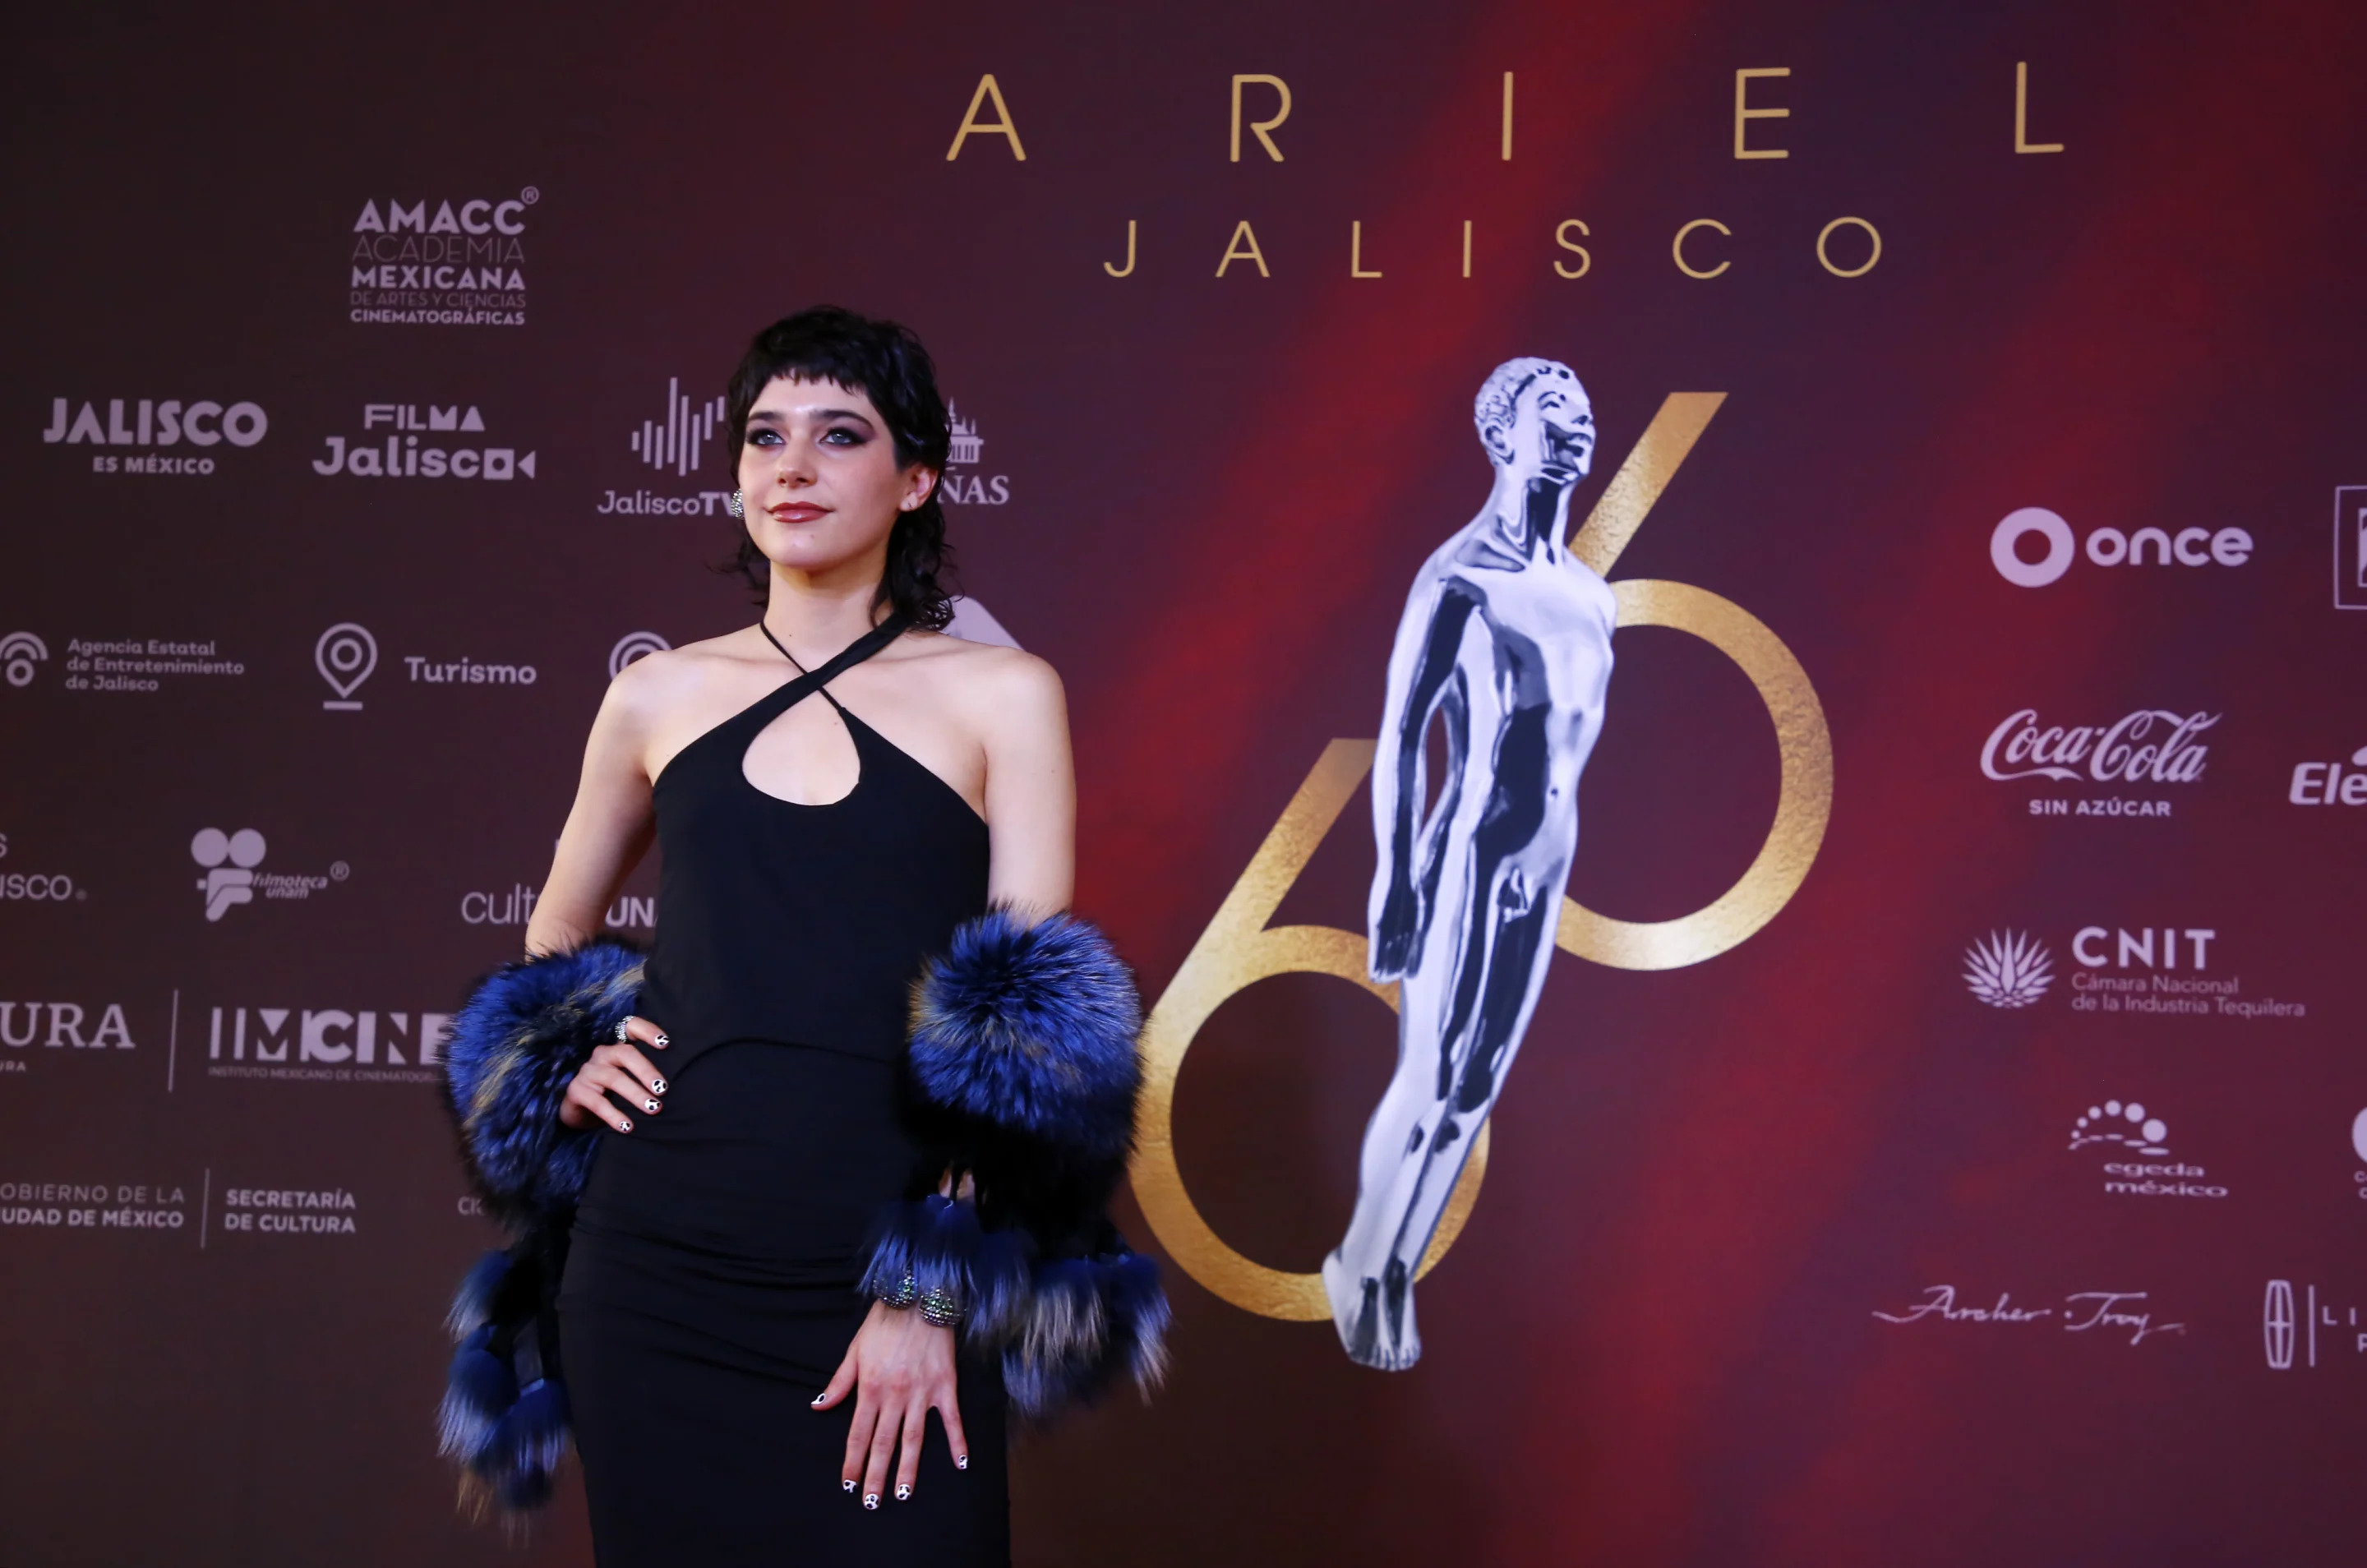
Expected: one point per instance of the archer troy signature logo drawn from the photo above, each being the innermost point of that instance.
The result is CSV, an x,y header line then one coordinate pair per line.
x,y
2107,1312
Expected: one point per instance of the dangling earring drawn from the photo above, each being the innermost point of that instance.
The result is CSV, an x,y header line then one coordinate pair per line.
x,y
736,503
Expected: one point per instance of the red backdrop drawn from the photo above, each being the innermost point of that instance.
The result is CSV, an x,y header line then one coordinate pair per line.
x,y
1781,1257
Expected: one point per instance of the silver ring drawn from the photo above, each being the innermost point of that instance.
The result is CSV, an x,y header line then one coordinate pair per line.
x,y
623,1034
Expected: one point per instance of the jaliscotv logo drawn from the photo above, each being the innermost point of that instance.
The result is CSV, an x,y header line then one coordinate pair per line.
x,y
2165,970
2147,750
2138,1162
156,427
391,446
231,879
2033,548
673,443
440,263
346,656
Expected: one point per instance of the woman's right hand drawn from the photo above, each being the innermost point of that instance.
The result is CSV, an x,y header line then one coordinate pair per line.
x,y
616,1082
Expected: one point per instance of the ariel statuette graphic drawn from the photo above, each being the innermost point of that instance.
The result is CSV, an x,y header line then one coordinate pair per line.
x,y
1506,640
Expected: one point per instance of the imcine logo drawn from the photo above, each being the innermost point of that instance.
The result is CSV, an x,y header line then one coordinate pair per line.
x,y
2106,546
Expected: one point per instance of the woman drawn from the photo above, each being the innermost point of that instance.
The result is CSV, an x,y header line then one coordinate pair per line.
x,y
760,1139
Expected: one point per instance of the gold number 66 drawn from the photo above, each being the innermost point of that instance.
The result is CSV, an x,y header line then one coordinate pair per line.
x,y
1239,948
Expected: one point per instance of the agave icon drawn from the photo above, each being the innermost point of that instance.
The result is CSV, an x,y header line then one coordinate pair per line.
x,y
2011,969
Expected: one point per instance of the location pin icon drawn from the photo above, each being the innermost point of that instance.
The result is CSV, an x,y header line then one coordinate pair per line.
x,y
344,656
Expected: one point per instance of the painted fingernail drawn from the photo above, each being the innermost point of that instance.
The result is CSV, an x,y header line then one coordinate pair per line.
x,y
871,1499
663,1040
651,1105
657,1085
904,1494
624,1124
818,1399
843,1485
961,1462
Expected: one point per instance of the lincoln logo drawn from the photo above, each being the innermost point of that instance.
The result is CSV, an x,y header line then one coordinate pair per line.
x,y
2277,1325
2150,746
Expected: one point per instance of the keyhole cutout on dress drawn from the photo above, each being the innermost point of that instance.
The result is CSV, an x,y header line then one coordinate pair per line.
x,y
806,756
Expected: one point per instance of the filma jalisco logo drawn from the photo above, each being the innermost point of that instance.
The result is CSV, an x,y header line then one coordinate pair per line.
x,y
390,447
440,263
231,879
157,427
2033,546
2148,750
346,654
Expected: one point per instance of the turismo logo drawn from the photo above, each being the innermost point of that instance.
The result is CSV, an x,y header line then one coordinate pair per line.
x,y
158,425
440,263
36,886
2033,546
2300,1322
675,441
963,484
21,655
2313,783
2351,547
346,654
388,446
2152,747
228,861
631,649
2136,1144
325,1045
2009,969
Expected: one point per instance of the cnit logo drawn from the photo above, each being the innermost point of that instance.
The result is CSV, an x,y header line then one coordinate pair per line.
x,y
402,457
2313,783
2019,531
2014,969
151,423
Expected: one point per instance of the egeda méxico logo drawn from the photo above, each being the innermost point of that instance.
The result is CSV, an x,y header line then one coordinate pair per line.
x,y
440,263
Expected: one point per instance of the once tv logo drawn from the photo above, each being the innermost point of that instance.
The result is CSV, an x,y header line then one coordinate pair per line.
x,y
20,651
2106,546
344,656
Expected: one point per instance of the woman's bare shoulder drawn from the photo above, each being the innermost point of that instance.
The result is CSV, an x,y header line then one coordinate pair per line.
x,y
670,677
982,676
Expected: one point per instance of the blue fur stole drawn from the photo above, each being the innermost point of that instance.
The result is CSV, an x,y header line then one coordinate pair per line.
x,y
511,1051
1024,1047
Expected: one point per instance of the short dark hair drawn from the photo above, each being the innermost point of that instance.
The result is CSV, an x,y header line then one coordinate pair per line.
x,y
886,363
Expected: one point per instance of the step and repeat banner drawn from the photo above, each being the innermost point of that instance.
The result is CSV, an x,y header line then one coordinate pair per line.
x,y
1921,1114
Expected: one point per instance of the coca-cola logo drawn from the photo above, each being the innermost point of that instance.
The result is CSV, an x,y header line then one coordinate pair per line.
x,y
2150,746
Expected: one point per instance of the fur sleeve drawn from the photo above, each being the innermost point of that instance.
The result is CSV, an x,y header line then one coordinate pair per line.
x,y
507,1062
1025,1052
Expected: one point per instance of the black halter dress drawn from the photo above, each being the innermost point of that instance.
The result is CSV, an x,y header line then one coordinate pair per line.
x,y
709,1291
